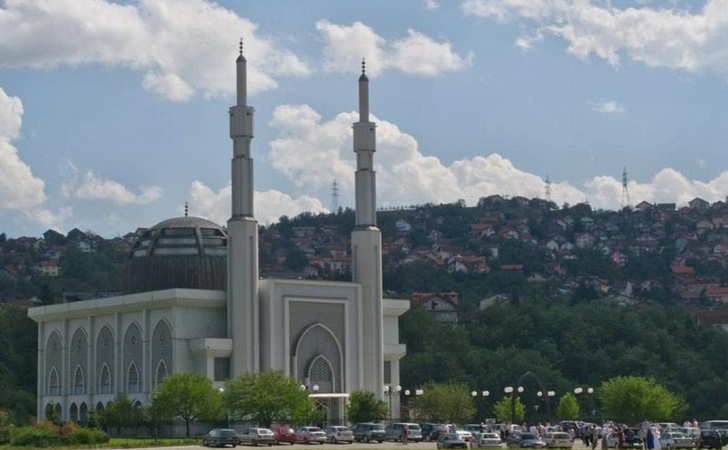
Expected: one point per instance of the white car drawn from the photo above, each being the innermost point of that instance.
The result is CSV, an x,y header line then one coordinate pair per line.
x,y
338,433
257,436
466,435
670,440
486,440
558,439
310,435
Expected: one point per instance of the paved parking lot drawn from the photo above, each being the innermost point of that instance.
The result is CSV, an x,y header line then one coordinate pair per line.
x,y
355,446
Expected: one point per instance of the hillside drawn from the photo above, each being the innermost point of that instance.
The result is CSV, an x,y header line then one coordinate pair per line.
x,y
509,286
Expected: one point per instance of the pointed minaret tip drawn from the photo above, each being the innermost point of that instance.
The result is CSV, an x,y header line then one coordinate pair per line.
x,y
363,76
241,57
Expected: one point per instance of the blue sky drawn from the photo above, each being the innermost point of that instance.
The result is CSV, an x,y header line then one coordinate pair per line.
x,y
114,114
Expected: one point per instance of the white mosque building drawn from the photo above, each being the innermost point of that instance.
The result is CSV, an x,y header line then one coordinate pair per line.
x,y
195,302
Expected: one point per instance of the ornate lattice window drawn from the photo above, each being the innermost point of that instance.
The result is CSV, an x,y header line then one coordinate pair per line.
x,y
105,360
161,350
53,363
321,374
78,361
132,377
54,387
161,373
133,358
105,380
319,359
78,381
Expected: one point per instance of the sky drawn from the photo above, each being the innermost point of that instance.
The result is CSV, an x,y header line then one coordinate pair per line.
x,y
114,114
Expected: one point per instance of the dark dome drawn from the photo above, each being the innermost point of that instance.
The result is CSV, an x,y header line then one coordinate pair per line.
x,y
183,252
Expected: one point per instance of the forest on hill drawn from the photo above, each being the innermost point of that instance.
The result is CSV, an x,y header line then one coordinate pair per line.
x,y
571,344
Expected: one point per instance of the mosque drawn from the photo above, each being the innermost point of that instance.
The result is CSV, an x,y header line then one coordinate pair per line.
x,y
195,302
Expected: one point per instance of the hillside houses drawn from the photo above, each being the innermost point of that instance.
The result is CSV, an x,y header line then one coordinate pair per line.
x,y
528,241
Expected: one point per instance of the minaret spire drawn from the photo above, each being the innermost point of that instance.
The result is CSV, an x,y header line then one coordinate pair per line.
x,y
242,235
364,147
366,243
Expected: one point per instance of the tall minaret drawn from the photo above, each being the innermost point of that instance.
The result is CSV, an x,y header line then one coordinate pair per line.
x,y
366,242
242,236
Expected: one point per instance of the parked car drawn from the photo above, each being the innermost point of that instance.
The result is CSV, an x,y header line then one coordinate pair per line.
x,y
430,431
630,439
338,433
310,435
558,439
220,437
486,440
399,431
670,440
525,440
451,440
475,428
465,434
368,432
711,439
284,433
257,436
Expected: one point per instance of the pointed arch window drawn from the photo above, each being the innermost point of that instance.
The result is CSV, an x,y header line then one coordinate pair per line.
x,y
321,374
79,386
53,384
161,373
132,379
105,380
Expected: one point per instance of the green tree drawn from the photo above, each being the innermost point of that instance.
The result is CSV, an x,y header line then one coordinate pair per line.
x,y
269,397
568,407
365,407
189,396
507,409
448,402
121,413
631,398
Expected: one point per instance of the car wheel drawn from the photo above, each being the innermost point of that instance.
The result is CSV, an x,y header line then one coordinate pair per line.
x,y
335,441
366,439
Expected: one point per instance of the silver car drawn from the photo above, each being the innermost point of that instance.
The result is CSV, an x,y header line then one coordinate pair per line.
x,y
338,433
486,440
311,435
257,436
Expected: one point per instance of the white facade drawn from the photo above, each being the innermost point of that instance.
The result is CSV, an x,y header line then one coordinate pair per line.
x,y
337,336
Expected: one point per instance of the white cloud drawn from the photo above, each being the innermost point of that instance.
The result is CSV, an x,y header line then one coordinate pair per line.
x,y
431,5
607,107
415,54
93,187
669,37
405,176
20,190
182,47
269,205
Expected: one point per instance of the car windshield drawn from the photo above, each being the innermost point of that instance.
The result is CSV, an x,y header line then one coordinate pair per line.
x,y
226,432
377,427
413,427
528,436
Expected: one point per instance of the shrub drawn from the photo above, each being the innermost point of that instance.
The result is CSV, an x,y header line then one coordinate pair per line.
x,y
34,437
79,436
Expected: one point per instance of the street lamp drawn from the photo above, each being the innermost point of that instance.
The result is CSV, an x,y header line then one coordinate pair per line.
x,y
549,396
578,391
389,391
483,394
222,392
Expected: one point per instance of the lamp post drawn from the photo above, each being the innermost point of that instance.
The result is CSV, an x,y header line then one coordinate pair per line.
x,y
577,392
389,391
483,394
549,396
509,390
222,392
